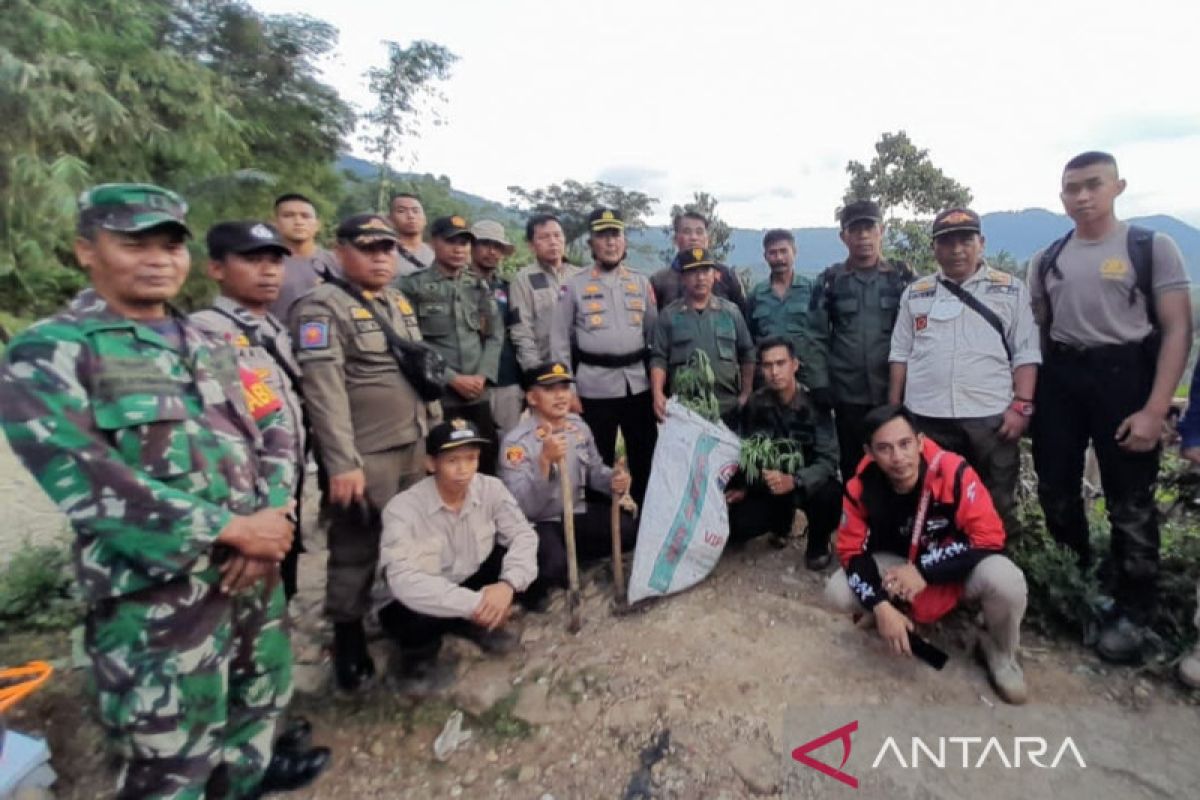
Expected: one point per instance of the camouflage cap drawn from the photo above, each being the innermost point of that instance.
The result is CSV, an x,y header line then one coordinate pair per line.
x,y
131,208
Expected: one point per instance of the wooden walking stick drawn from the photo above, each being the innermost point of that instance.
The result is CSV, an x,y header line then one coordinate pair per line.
x,y
618,565
574,601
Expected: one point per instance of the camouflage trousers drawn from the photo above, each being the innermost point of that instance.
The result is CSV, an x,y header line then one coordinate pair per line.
x,y
190,683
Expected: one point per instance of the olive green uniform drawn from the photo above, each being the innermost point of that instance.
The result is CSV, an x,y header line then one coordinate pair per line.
x,y
719,330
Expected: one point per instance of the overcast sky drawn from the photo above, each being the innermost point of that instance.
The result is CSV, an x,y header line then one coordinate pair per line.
x,y
763,103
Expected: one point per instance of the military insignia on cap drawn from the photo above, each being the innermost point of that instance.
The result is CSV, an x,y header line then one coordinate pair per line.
x,y
559,369
458,423
458,222
957,218
697,254
261,231
375,224
607,215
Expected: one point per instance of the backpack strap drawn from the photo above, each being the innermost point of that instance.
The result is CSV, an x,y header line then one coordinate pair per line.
x,y
958,482
1140,243
1046,265
975,304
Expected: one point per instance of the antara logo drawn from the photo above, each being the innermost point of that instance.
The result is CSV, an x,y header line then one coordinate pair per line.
x,y
975,751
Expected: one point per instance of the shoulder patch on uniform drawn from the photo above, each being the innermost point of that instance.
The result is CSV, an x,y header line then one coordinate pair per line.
x,y
538,280
314,334
514,455
403,304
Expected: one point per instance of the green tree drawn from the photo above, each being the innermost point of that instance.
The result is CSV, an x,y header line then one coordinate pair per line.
x,y
910,191
572,202
405,90
705,205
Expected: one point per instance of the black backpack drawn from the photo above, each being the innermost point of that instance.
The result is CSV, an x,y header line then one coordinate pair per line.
x,y
1140,244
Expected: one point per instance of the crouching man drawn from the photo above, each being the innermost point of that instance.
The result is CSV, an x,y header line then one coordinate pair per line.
x,y
919,533
531,457
455,551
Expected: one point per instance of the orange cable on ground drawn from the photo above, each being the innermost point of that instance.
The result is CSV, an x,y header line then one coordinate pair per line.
x,y
17,683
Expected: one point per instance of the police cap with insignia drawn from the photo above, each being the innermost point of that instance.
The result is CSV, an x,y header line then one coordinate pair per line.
x,y
695,258
131,208
246,236
548,374
453,433
605,219
956,219
858,211
450,227
365,229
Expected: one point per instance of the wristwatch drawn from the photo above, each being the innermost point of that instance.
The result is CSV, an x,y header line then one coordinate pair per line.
x,y
1022,407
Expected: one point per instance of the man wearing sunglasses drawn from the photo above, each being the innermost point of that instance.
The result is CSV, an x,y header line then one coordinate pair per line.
x,y
368,421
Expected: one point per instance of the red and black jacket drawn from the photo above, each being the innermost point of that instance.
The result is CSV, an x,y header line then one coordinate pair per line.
x,y
961,529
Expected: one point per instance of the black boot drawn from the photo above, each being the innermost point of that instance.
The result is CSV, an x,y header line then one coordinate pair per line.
x,y
295,738
352,664
288,772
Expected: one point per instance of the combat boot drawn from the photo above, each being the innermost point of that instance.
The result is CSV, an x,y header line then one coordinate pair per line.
x,y
1121,641
352,664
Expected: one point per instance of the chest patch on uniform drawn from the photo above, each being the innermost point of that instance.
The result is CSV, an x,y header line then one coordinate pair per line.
x,y
514,455
539,281
1009,289
314,335
595,305
404,306
591,289
916,294
366,325
636,304
358,312
920,322
596,320
635,318
241,341
260,400
1114,269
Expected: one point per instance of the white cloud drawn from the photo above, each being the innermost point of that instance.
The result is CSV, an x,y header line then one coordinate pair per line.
x,y
756,99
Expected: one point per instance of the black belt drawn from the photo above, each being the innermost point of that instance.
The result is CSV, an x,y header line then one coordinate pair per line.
x,y
1100,352
612,360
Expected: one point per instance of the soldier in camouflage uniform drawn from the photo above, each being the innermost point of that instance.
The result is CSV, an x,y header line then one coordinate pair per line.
x,y
176,473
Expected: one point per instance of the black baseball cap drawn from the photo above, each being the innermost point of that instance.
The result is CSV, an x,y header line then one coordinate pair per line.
x,y
859,210
606,219
453,433
694,259
245,236
956,219
547,374
450,227
365,229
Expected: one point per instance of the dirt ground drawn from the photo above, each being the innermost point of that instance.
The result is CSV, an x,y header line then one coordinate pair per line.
x,y
569,715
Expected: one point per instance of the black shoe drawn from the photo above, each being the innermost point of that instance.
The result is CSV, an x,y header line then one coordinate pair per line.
x,y
420,674
535,604
500,641
288,772
295,738
352,664
818,562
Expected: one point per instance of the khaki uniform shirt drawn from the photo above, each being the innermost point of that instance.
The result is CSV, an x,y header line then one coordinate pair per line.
x,y
253,355
427,550
541,498
533,297
606,313
358,400
957,366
